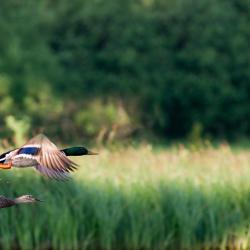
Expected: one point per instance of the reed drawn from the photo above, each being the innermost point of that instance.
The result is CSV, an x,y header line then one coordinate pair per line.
x,y
134,198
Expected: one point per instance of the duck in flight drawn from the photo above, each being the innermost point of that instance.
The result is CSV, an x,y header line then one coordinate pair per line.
x,y
7,202
40,153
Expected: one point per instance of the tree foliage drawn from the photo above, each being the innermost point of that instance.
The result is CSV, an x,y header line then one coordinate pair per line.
x,y
171,64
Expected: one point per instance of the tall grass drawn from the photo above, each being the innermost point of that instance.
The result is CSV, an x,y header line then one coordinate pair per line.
x,y
134,199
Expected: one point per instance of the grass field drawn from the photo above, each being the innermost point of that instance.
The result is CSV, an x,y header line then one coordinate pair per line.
x,y
135,198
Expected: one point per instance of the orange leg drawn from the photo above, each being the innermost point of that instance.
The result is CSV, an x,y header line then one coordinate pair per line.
x,y
5,165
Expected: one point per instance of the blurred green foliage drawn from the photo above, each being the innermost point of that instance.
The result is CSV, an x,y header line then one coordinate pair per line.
x,y
70,65
19,128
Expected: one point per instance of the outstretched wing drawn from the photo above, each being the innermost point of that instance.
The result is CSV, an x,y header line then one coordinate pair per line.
x,y
51,161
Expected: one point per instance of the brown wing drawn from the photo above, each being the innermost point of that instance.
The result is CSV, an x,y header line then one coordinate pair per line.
x,y
52,162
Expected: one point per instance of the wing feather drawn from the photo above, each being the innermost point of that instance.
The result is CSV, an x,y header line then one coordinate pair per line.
x,y
52,162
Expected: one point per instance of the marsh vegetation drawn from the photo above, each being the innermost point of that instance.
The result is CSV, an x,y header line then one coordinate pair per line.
x,y
135,198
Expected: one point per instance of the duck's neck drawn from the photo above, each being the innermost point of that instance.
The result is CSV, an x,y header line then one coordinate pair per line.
x,y
20,200
75,151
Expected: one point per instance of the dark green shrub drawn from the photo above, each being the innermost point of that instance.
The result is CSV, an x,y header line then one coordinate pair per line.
x,y
172,64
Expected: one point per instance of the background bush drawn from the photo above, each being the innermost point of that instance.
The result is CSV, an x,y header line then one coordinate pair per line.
x,y
169,65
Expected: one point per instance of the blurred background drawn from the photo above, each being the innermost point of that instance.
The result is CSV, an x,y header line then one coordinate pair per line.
x,y
161,90
112,70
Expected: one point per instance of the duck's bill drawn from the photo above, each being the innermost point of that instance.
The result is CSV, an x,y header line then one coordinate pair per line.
x,y
38,200
91,153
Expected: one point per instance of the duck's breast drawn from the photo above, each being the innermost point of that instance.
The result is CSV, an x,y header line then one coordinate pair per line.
x,y
26,157
23,160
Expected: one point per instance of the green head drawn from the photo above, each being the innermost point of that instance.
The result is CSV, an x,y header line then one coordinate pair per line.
x,y
77,151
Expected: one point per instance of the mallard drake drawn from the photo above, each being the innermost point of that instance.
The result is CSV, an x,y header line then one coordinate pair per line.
x,y
7,202
41,153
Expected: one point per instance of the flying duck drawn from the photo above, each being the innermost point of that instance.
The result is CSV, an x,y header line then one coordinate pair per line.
x,y
40,153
